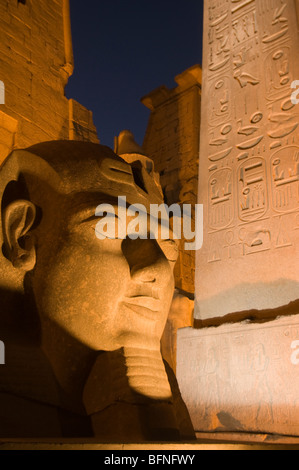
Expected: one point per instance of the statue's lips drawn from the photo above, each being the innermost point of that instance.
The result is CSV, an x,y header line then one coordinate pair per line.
x,y
144,305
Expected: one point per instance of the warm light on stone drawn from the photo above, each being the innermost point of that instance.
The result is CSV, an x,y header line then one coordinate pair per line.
x,y
36,63
95,309
237,367
115,342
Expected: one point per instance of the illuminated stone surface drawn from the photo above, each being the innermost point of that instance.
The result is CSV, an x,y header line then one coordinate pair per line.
x,y
36,61
180,316
248,169
206,445
172,141
98,308
181,309
242,377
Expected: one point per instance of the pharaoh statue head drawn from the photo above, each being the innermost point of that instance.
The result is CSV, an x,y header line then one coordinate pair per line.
x,y
82,317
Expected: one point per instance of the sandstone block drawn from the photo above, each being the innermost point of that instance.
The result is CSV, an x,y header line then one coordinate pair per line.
x,y
241,377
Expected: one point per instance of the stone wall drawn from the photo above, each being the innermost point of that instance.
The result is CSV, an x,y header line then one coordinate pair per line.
x,y
172,141
36,61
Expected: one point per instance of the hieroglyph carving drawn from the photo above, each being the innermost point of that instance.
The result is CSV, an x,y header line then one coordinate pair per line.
x,y
250,140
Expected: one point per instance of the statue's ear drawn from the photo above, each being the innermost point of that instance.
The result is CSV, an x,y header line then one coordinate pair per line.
x,y
18,219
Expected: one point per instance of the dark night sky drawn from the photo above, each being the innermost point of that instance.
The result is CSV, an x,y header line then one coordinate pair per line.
x,y
125,49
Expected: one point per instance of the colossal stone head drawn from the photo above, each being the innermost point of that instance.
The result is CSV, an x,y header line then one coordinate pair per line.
x,y
105,293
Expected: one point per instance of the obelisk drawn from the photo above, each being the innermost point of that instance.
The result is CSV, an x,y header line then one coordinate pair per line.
x,y
238,369
249,158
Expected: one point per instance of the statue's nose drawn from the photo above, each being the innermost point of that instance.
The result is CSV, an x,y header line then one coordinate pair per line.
x,y
146,260
146,274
